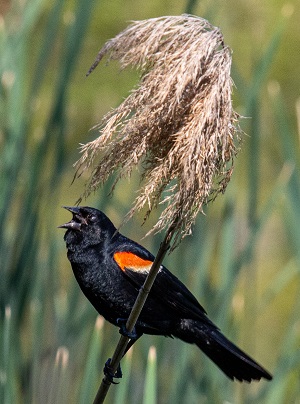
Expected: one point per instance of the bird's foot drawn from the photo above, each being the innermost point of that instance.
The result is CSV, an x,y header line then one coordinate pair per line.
x,y
123,330
109,374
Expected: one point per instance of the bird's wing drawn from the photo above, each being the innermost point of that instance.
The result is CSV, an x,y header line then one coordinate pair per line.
x,y
168,289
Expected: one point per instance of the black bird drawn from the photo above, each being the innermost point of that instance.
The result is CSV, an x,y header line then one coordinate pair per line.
x,y
110,269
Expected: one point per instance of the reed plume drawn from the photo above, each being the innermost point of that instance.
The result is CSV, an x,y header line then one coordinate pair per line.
x,y
178,124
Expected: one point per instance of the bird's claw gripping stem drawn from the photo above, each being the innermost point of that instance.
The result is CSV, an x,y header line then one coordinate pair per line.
x,y
123,330
109,374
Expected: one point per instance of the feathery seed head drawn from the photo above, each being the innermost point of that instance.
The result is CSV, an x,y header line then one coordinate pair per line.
x,y
179,122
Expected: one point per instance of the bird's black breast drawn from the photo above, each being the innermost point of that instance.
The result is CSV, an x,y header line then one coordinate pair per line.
x,y
102,282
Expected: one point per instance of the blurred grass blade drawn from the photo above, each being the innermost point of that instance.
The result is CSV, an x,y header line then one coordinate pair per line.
x,y
13,85
287,370
290,151
7,375
122,392
37,294
150,387
227,248
92,364
5,356
262,69
50,34
58,390
190,6
252,110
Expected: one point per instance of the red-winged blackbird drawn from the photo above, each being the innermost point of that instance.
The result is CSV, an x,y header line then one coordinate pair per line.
x,y
110,269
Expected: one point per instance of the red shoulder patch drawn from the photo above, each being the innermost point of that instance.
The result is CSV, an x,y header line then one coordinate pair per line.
x,y
131,261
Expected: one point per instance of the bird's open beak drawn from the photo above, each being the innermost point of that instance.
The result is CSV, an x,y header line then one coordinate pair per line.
x,y
77,219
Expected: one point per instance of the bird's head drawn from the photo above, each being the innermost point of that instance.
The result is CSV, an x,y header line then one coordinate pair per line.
x,y
87,225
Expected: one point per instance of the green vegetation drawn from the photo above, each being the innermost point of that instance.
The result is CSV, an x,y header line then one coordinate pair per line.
x,y
243,258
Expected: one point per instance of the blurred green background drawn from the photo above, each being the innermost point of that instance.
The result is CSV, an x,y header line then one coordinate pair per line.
x,y
242,261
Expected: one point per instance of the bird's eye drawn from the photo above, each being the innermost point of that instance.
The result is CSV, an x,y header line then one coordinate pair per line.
x,y
92,218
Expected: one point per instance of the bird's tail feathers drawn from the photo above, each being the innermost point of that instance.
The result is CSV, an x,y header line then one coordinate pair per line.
x,y
235,363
